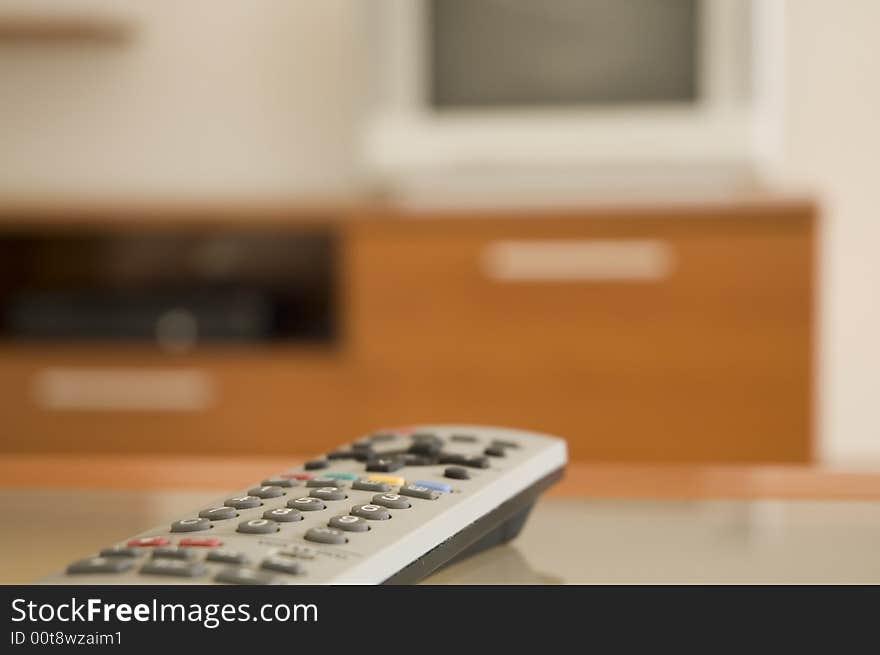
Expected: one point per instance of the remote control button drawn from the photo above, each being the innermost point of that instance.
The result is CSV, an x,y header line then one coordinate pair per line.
x,y
306,504
501,443
328,493
283,515
382,436
385,464
425,437
120,551
341,454
174,568
362,445
418,491
315,464
243,502
101,565
370,485
172,552
371,512
247,576
302,552
297,476
266,491
476,462
349,523
200,542
391,501
451,458
463,438
326,536
341,476
146,542
426,448
394,480
218,513
226,557
190,525
419,460
495,451
282,565
437,486
258,526
279,482
457,473
324,481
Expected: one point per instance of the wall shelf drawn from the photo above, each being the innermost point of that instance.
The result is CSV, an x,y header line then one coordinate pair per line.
x,y
55,28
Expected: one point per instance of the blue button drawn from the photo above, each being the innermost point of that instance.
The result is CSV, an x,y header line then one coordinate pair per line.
x,y
439,486
341,476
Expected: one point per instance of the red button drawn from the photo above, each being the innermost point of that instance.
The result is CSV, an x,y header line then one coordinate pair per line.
x,y
149,541
208,542
298,476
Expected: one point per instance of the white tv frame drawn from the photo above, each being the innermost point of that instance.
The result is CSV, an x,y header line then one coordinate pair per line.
x,y
405,139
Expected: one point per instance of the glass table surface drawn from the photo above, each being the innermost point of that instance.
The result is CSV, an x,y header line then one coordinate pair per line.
x,y
567,540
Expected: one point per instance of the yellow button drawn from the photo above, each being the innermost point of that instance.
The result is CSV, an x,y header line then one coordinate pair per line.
x,y
390,479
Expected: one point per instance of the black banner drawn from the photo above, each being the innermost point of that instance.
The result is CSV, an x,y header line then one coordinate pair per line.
x,y
131,619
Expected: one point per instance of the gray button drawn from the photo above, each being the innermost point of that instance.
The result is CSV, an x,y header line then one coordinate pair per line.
x,y
121,551
306,504
243,502
191,525
247,576
283,515
328,493
172,552
218,513
279,482
101,565
371,512
348,523
302,552
463,438
258,526
418,491
457,473
369,485
392,501
227,556
324,482
282,565
175,568
501,443
495,451
266,491
326,536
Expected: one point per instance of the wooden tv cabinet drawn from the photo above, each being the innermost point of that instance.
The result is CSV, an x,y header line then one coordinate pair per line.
x,y
669,332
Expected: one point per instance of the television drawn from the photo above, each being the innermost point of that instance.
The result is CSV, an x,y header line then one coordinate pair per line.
x,y
505,97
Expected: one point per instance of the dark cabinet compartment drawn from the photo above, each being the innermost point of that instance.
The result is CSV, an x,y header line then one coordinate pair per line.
x,y
177,288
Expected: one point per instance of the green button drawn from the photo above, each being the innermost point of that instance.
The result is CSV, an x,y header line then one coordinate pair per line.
x,y
341,476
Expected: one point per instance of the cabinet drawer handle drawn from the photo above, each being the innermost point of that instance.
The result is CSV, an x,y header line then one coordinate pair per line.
x,y
123,389
559,260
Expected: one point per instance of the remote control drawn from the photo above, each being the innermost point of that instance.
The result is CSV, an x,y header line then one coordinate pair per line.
x,y
390,507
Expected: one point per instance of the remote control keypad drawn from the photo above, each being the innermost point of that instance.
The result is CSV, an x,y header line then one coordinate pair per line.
x,y
273,527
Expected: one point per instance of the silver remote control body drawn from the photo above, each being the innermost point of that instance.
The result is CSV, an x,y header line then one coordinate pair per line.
x,y
391,506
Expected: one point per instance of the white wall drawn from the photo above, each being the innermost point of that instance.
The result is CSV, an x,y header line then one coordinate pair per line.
x,y
211,97
833,142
